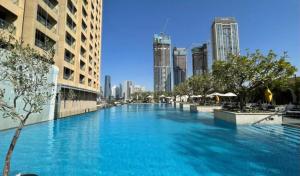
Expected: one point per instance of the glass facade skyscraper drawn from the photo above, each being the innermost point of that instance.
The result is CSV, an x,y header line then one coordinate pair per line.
x,y
179,65
225,38
200,59
162,63
107,88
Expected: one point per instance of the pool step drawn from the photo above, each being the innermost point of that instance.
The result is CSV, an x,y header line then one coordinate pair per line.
x,y
290,134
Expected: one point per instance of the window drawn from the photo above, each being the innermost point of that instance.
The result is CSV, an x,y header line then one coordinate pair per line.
x,y
69,57
71,7
83,38
52,4
43,41
68,74
82,65
84,13
83,25
82,51
81,79
44,18
70,40
70,23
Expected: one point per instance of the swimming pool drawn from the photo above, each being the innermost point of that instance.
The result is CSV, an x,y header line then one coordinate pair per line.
x,y
152,140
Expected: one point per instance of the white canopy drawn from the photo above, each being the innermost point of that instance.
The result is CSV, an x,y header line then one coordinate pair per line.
x,y
162,96
229,94
150,96
215,94
196,96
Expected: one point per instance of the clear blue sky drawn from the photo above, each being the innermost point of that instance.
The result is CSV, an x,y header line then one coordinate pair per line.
x,y
129,25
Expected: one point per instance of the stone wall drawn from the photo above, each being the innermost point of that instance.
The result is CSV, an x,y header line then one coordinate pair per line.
x,y
248,118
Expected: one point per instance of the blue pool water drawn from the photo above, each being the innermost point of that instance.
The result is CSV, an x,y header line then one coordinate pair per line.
x,y
151,140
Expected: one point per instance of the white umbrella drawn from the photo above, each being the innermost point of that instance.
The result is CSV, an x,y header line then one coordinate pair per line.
x,y
162,96
215,94
150,96
229,94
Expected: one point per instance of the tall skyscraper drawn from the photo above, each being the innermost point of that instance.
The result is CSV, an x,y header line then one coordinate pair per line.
x,y
127,90
200,59
162,63
179,65
113,91
107,88
121,90
74,29
225,38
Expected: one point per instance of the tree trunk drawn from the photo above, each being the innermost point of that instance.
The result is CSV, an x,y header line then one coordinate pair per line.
x,y
242,101
11,148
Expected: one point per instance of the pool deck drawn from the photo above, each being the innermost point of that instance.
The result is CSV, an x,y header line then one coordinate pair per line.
x,y
291,122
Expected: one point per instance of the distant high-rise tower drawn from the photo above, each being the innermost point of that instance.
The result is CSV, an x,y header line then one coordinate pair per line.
x,y
127,90
107,88
200,59
179,65
225,38
162,63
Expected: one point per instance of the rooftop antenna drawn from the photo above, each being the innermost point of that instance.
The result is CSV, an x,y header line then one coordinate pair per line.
x,y
165,25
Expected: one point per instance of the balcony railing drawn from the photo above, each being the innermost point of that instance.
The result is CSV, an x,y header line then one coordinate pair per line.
x,y
68,77
82,68
69,60
42,45
72,27
52,6
46,23
71,43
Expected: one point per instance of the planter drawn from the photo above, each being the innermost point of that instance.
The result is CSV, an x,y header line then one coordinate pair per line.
x,y
184,107
248,118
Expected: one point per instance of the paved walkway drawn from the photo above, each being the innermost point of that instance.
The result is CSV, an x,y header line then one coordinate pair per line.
x,y
295,122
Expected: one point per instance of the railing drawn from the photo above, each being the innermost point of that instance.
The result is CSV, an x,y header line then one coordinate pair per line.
x,y
46,23
81,81
68,77
71,43
69,60
82,68
72,27
266,118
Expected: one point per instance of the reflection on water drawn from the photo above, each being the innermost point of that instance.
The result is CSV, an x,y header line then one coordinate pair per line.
x,y
152,139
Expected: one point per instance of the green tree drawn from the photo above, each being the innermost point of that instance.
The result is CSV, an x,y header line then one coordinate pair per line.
x,y
182,89
202,84
243,74
25,71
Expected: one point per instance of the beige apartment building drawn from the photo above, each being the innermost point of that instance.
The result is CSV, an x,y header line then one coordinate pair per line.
x,y
74,29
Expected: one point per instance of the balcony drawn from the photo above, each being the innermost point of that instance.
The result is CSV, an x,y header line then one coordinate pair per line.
x,y
70,40
71,24
82,66
71,8
44,18
44,42
81,79
68,74
69,57
52,4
